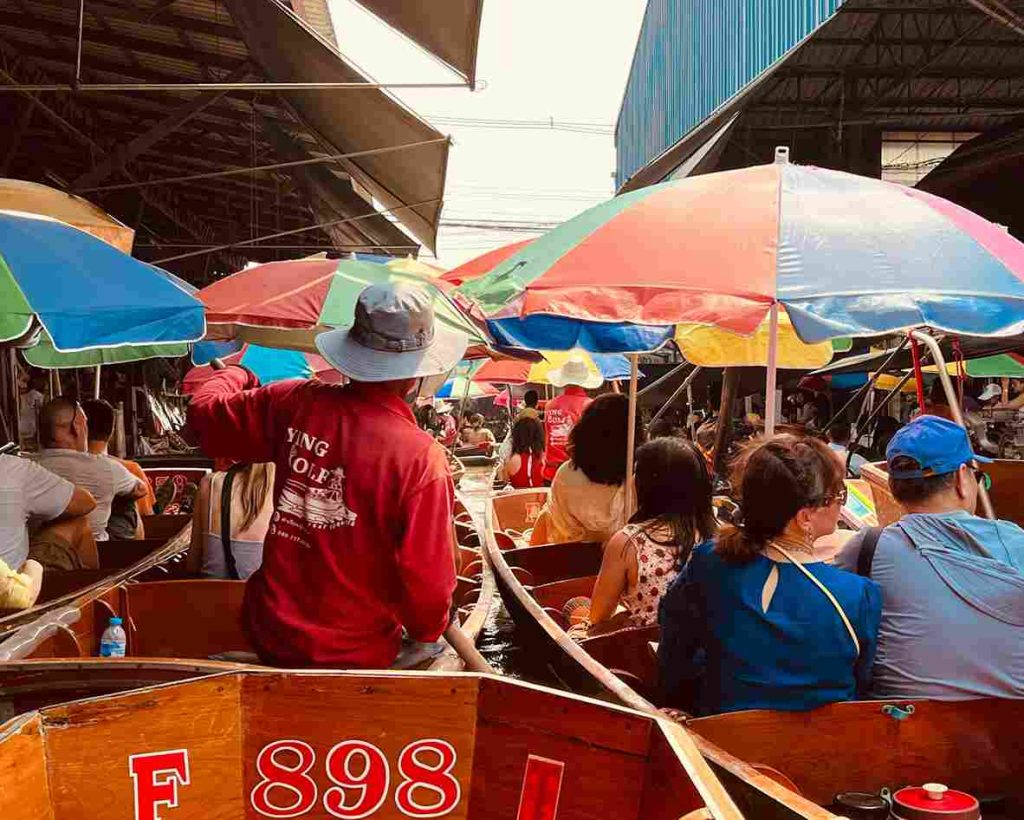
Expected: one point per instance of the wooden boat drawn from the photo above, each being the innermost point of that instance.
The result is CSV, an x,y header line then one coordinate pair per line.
x,y
167,536
168,615
774,764
382,745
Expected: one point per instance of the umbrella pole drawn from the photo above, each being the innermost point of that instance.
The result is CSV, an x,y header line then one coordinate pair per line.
x,y
953,400
96,386
690,423
772,375
730,381
634,367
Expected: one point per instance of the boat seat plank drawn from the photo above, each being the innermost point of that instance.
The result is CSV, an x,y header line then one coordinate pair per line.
x,y
556,594
122,553
552,562
163,527
185,619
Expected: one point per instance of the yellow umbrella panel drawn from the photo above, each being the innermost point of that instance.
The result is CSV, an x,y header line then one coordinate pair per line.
x,y
709,346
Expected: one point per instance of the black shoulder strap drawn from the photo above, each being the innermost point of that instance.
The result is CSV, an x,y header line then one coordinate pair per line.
x,y
225,519
867,551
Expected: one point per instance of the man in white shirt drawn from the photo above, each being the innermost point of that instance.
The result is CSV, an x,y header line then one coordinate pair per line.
x,y
30,494
63,433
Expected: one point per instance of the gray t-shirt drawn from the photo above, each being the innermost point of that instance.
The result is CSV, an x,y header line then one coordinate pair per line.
x,y
952,607
28,492
101,476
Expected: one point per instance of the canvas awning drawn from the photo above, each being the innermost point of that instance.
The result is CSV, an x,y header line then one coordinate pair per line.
x,y
409,182
448,29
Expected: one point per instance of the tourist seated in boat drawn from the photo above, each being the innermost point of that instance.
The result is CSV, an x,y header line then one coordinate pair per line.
x,y
55,509
240,503
125,512
563,411
952,582
663,428
673,497
525,464
839,435
360,544
64,436
475,434
529,409
587,500
755,620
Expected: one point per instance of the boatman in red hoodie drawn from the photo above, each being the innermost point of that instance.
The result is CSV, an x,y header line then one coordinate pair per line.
x,y
359,546
562,412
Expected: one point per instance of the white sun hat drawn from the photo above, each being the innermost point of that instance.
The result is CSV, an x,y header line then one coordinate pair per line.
x,y
575,371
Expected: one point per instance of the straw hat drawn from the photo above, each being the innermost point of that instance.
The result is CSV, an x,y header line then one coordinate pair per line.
x,y
575,371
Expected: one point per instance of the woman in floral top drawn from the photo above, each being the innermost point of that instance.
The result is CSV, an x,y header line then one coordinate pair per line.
x,y
673,492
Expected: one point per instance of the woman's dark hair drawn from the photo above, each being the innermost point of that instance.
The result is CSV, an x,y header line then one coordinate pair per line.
x,y
777,478
528,437
427,418
673,489
530,398
661,428
597,444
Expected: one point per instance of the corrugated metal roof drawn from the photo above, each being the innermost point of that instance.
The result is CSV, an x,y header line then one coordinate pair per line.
x,y
694,55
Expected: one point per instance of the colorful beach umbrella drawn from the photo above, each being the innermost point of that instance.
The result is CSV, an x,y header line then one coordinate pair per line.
x,y
844,255
83,292
286,304
479,265
268,364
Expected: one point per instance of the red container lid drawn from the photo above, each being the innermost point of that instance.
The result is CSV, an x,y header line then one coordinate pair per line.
x,y
933,800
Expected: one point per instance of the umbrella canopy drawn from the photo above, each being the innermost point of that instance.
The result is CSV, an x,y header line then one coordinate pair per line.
x,y
456,387
478,266
83,292
514,371
35,198
845,255
286,304
269,366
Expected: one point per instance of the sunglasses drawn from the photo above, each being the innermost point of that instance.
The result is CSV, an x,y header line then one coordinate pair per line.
x,y
832,498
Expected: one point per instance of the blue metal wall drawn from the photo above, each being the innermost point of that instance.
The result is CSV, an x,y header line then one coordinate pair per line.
x,y
692,56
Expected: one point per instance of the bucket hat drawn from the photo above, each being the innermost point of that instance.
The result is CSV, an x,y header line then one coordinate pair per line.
x,y
393,336
575,371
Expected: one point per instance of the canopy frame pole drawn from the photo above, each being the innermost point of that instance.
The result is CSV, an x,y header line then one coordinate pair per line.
x,y
954,403
679,390
770,404
866,388
76,83
634,369
121,88
96,386
690,421
730,381
665,377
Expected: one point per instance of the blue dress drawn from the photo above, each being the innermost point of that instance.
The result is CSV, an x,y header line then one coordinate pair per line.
x,y
720,652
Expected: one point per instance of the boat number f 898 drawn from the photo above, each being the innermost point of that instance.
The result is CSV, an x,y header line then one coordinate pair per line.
x,y
360,777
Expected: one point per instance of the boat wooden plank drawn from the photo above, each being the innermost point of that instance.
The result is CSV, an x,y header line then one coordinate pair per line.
x,y
89,750
388,712
553,562
196,618
557,593
23,771
964,741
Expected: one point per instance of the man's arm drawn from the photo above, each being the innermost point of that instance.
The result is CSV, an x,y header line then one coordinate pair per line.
x,y
48,496
124,482
849,553
81,503
426,560
233,416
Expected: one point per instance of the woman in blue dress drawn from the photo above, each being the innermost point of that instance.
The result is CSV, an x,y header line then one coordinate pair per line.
x,y
755,620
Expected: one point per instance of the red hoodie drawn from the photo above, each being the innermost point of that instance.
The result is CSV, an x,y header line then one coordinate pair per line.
x,y
560,416
360,541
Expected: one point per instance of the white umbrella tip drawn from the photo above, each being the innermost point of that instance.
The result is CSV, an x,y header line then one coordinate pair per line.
x,y
781,154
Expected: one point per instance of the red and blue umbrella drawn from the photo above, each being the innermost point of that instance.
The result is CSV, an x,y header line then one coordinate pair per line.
x,y
83,292
843,255
269,365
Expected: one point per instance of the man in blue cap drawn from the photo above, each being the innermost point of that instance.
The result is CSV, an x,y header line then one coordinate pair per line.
x,y
952,583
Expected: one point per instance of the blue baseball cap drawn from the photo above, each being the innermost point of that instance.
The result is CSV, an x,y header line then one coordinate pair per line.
x,y
938,445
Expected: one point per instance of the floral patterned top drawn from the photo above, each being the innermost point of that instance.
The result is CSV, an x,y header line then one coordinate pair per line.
x,y
657,567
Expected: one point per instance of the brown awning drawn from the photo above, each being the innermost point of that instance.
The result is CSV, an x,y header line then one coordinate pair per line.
x,y
449,29
408,182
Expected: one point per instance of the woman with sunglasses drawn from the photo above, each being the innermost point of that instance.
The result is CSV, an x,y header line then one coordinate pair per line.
x,y
756,620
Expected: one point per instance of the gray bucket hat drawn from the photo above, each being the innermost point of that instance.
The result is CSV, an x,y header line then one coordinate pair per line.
x,y
394,336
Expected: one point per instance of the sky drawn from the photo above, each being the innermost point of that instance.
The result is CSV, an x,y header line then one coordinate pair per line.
x,y
535,144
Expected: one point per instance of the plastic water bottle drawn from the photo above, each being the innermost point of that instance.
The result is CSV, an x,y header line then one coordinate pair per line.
x,y
113,642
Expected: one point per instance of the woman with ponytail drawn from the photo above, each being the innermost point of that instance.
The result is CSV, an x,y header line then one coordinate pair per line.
x,y
756,620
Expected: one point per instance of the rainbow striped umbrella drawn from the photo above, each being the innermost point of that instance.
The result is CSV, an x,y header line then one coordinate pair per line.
x,y
286,304
843,255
